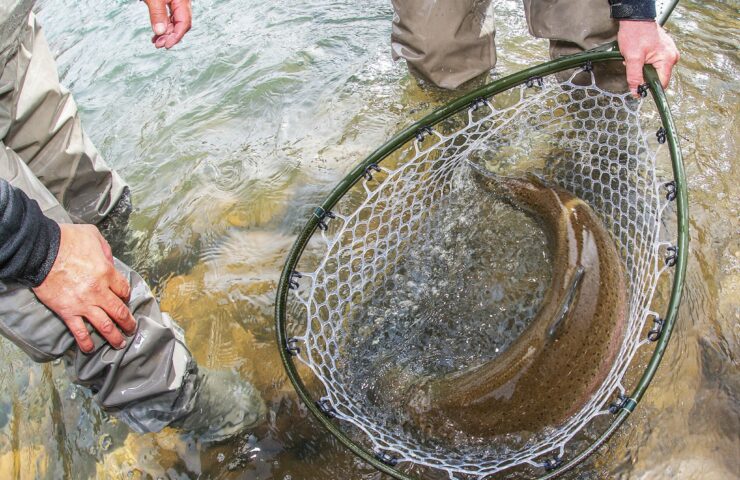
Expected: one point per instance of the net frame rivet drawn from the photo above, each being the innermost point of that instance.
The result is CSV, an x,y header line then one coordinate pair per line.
x,y
671,255
623,402
532,81
477,103
291,347
661,135
386,458
552,463
588,66
323,215
654,334
369,171
325,406
670,190
293,283
617,405
422,133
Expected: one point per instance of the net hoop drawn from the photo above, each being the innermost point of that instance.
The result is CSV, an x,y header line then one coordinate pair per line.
x,y
564,63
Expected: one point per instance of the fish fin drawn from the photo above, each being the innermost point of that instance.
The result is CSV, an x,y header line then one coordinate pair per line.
x,y
575,282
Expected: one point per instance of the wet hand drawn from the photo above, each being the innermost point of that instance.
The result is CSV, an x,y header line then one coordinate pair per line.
x,y
171,20
642,42
83,285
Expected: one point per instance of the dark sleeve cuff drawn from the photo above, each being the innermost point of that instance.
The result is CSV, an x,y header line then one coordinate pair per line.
x,y
632,9
29,241
45,252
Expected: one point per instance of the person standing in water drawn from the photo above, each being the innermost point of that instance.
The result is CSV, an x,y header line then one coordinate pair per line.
x,y
449,43
62,293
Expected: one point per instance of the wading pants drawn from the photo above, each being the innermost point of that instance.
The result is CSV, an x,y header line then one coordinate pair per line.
x,y
45,152
451,42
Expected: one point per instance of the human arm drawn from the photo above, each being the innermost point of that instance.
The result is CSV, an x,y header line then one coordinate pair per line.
x,y
170,19
68,267
641,40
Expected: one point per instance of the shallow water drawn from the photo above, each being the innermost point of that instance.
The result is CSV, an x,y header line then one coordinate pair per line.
x,y
230,138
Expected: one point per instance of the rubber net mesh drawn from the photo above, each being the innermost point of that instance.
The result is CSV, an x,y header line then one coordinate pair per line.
x,y
600,146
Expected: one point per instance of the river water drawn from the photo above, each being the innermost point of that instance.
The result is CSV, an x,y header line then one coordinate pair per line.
x,y
228,139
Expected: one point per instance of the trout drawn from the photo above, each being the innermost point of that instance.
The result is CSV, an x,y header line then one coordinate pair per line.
x,y
554,367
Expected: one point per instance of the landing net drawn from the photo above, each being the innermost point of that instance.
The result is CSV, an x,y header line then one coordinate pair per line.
x,y
605,148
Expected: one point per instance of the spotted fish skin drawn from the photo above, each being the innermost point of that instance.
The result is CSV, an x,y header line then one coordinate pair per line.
x,y
566,352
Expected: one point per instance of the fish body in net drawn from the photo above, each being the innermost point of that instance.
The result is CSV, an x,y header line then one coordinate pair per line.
x,y
566,352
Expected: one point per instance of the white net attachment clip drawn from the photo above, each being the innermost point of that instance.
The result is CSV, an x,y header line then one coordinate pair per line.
x,y
291,346
552,463
386,458
324,404
293,282
323,216
671,256
373,167
623,402
532,81
670,188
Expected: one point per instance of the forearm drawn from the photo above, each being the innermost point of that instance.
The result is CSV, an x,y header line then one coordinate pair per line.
x,y
632,9
29,241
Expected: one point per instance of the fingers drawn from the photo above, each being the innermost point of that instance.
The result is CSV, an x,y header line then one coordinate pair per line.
x,y
120,286
105,326
158,15
161,40
119,313
182,17
634,74
665,61
664,69
77,327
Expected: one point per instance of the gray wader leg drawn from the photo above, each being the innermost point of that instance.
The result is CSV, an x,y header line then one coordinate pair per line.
x,y
573,26
446,42
39,121
151,382
449,43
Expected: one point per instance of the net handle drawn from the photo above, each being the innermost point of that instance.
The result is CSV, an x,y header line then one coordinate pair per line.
x,y
670,6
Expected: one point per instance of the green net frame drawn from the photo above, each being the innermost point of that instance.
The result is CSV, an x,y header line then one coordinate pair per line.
x,y
628,404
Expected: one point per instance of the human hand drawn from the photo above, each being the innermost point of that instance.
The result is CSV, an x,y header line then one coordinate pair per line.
x,y
83,284
171,20
642,42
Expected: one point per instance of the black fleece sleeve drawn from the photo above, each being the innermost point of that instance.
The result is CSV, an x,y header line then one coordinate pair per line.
x,y
632,9
29,241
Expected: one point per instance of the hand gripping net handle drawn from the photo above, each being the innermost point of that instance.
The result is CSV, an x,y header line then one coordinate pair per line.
x,y
626,406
